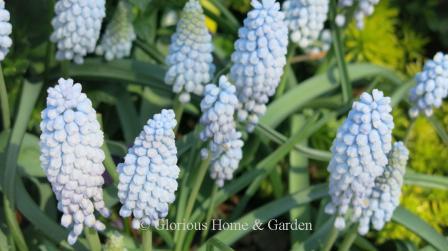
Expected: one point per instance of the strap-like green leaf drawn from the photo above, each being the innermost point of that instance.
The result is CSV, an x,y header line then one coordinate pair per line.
x,y
271,210
420,228
316,86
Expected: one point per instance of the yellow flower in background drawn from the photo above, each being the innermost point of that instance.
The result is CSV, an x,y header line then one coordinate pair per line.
x,y
383,42
210,23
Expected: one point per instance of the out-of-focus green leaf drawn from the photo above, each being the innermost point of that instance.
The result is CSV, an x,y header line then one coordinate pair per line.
x,y
270,211
128,116
419,227
121,71
424,180
32,212
218,244
318,85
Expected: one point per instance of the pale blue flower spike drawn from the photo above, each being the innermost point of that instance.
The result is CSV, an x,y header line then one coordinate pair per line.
x,y
225,144
148,176
360,154
306,20
71,156
77,26
117,40
385,196
5,31
258,59
431,87
190,58
364,8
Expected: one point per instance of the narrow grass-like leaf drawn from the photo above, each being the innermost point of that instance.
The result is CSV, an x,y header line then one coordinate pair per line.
x,y
425,180
121,71
271,210
128,115
219,245
265,131
151,50
28,100
338,50
364,244
315,241
32,212
4,102
420,228
316,86
440,129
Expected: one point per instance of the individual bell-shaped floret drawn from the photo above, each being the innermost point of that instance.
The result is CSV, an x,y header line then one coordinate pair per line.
x,y
225,144
190,59
360,154
305,20
117,41
431,87
363,9
149,172
5,31
71,156
385,196
77,26
258,59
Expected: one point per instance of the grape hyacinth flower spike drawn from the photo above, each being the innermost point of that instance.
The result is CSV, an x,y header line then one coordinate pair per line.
x,y
360,154
71,156
190,59
218,108
77,27
117,40
149,172
5,31
431,87
258,59
386,194
305,20
364,8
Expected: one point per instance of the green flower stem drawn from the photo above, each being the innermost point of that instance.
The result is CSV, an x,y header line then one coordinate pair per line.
x,y
298,181
185,191
349,238
147,240
288,70
93,239
108,161
339,52
178,108
193,195
331,238
211,208
4,102
13,225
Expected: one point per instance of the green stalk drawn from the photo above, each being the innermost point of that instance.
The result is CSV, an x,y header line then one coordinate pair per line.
x,y
93,239
13,225
298,180
178,108
109,163
211,208
339,52
4,102
349,238
193,195
147,240
331,238
30,93
185,191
